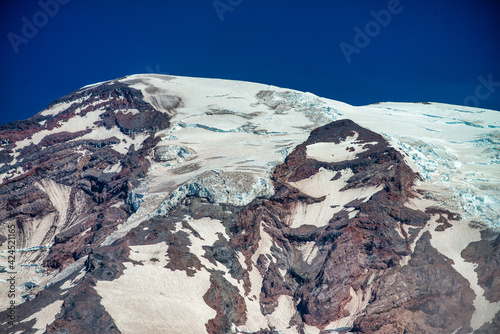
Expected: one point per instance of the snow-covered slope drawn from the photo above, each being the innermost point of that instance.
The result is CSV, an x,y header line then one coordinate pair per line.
x,y
240,207
453,147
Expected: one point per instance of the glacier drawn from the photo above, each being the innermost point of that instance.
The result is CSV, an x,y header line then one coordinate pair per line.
x,y
453,147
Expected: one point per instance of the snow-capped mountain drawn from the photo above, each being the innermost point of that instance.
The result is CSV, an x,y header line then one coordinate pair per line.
x,y
166,204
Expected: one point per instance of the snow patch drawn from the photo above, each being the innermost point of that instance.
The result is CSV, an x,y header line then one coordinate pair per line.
x,y
45,316
59,195
116,168
319,185
451,242
358,303
153,299
283,313
71,283
57,108
343,151
309,250
256,320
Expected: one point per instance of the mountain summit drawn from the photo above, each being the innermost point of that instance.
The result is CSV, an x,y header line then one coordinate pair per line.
x,y
162,204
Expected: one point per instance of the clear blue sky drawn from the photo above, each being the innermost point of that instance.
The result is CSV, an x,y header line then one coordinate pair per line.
x,y
425,51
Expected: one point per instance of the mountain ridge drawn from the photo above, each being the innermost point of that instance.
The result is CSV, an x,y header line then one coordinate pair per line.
x,y
298,225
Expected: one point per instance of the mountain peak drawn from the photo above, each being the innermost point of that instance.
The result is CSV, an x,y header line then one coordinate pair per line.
x,y
174,204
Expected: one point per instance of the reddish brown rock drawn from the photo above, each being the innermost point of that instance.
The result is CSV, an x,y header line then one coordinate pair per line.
x,y
81,312
486,253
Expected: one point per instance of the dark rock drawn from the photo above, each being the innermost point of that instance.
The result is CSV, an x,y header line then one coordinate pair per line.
x,y
82,312
486,253
226,300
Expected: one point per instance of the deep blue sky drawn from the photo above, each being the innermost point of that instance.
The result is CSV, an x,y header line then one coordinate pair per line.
x,y
429,51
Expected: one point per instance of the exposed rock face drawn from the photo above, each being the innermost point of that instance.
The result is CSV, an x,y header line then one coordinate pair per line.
x,y
487,254
130,234
71,191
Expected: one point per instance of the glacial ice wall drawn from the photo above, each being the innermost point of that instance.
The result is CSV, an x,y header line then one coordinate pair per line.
x,y
234,188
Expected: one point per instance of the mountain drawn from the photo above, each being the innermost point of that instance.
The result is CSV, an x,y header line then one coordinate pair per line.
x,y
164,204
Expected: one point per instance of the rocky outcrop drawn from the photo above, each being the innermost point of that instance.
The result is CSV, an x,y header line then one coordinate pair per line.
x,y
71,187
360,254
487,254
81,312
